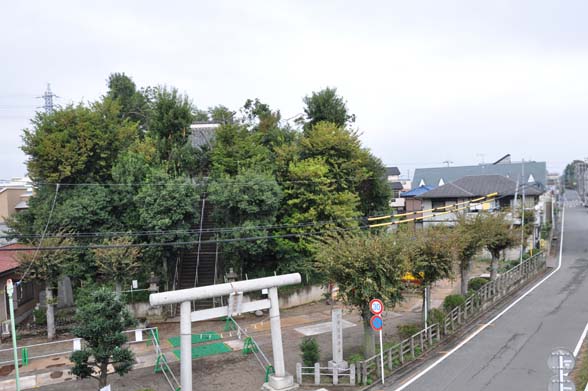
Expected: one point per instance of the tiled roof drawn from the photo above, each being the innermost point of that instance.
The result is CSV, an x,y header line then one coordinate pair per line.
x,y
477,186
8,259
395,185
391,171
534,172
417,192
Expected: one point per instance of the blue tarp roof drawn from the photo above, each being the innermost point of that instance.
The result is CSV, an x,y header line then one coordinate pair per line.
x,y
418,191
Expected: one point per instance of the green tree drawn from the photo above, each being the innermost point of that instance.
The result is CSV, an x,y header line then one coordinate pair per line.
x,y
364,266
221,115
326,105
497,236
76,144
429,254
118,263
133,103
101,320
312,205
248,202
467,241
47,267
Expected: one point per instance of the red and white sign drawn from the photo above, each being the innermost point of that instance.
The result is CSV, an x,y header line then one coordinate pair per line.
x,y
377,322
376,306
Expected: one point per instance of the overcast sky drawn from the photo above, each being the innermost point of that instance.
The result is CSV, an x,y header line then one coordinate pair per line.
x,y
429,81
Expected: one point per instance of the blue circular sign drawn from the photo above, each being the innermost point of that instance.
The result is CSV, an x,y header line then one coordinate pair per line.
x,y
377,322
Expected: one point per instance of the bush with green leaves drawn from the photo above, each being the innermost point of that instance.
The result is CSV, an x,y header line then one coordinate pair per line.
x,y
476,283
436,315
453,301
408,330
310,350
101,319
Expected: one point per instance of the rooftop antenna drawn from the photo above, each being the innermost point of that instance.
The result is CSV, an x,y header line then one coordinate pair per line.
x,y
448,162
48,98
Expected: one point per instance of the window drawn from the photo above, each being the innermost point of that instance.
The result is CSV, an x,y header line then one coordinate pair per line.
x,y
438,204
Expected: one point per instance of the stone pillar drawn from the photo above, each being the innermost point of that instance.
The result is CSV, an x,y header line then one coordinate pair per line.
x,y
280,380
337,339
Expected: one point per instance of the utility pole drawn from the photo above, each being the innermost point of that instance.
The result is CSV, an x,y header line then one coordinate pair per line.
x,y
523,183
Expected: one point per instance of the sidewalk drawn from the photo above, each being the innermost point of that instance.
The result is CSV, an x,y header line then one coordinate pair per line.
x,y
229,370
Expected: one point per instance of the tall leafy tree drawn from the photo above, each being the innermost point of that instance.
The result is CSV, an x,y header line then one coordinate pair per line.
x,y
467,241
76,144
47,267
364,266
429,254
497,236
326,105
133,103
118,263
101,319
247,202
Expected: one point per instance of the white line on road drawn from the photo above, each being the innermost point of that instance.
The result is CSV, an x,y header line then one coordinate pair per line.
x,y
483,327
581,341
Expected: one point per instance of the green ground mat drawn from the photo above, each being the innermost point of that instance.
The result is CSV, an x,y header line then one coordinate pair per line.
x,y
196,338
207,350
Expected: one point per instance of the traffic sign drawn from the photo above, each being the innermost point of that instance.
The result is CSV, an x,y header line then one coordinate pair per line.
x,y
376,306
377,322
561,359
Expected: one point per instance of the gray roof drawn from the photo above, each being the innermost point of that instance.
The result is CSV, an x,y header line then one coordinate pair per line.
x,y
534,172
390,171
478,186
395,185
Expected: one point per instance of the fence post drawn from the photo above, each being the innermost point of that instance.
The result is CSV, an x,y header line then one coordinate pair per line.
x,y
352,374
317,373
298,373
430,335
412,347
401,352
390,365
364,377
422,341
335,375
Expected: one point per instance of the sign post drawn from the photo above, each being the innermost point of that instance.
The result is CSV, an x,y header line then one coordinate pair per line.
x,y
9,291
377,323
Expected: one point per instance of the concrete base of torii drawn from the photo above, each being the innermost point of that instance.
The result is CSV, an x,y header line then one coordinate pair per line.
x,y
284,383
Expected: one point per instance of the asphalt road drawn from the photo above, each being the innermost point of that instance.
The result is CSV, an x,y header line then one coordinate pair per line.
x,y
511,354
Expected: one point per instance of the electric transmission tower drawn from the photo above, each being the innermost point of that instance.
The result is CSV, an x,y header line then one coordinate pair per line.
x,y
48,98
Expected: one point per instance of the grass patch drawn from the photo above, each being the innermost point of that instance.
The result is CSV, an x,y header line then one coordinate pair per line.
x,y
580,373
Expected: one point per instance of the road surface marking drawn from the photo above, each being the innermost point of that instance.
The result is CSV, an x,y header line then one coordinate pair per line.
x,y
581,341
475,333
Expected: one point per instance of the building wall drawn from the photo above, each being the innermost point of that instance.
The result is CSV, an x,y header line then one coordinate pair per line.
x,y
8,200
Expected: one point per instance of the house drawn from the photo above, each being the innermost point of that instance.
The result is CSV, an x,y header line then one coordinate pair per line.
x,y
468,188
411,201
397,185
523,172
26,295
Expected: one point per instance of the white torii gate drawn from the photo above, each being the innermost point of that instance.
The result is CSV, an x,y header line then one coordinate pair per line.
x,y
280,380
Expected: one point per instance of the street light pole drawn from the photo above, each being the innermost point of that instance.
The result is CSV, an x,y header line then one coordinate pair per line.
x,y
9,291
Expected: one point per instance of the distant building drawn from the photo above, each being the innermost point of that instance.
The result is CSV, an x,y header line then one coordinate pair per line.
x,y
397,185
14,197
203,133
469,188
534,172
412,202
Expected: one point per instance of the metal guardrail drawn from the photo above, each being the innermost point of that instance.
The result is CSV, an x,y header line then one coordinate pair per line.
x,y
61,348
477,303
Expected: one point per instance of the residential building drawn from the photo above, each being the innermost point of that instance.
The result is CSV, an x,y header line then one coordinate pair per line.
x,y
412,202
26,295
468,188
397,185
14,197
523,172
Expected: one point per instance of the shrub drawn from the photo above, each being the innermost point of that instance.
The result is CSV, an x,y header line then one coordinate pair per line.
x,y
355,358
40,317
408,330
452,301
309,348
436,315
476,283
